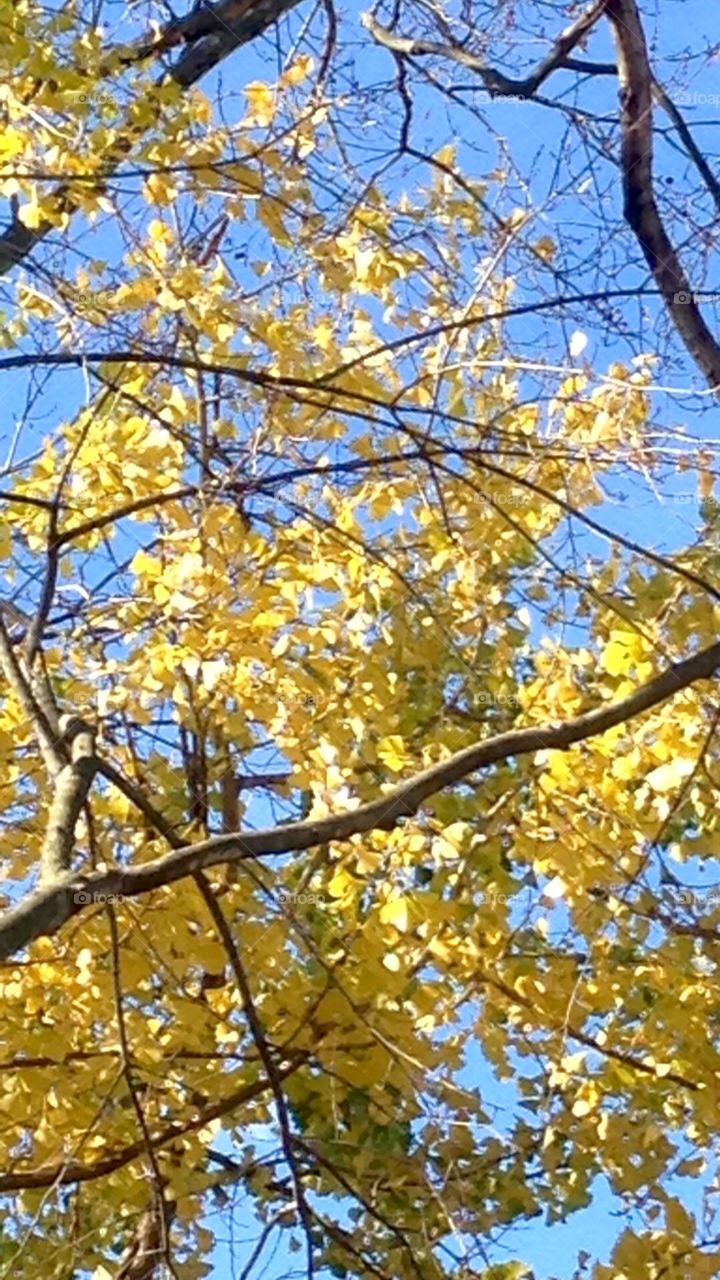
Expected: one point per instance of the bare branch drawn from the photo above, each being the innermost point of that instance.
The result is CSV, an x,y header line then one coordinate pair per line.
x,y
496,83
150,1244
257,1032
689,142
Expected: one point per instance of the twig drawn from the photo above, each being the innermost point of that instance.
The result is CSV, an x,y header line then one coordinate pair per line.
x,y
496,83
257,1032
150,1241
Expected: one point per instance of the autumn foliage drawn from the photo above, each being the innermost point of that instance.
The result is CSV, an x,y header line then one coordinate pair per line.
x,y
291,520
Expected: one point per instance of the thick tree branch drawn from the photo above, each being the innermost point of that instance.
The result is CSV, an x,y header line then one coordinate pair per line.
x,y
45,911
70,790
641,210
68,751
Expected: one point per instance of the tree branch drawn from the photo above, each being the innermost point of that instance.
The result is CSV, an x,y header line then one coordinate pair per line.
x,y
150,1243
691,146
260,1040
496,83
42,725
641,210
44,912
70,790
66,1172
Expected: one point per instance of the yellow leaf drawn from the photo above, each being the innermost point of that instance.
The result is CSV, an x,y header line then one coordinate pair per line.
x,y
582,1107
300,69
160,190
669,776
30,215
391,751
12,144
340,883
211,672
247,179
546,248
270,214
159,231
396,913
261,100
142,563
615,658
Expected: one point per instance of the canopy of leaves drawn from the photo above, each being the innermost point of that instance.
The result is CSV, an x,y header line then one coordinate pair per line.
x,y
308,493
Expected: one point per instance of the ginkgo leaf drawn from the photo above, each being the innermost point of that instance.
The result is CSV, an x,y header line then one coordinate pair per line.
x,y
212,670
670,776
397,913
261,101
